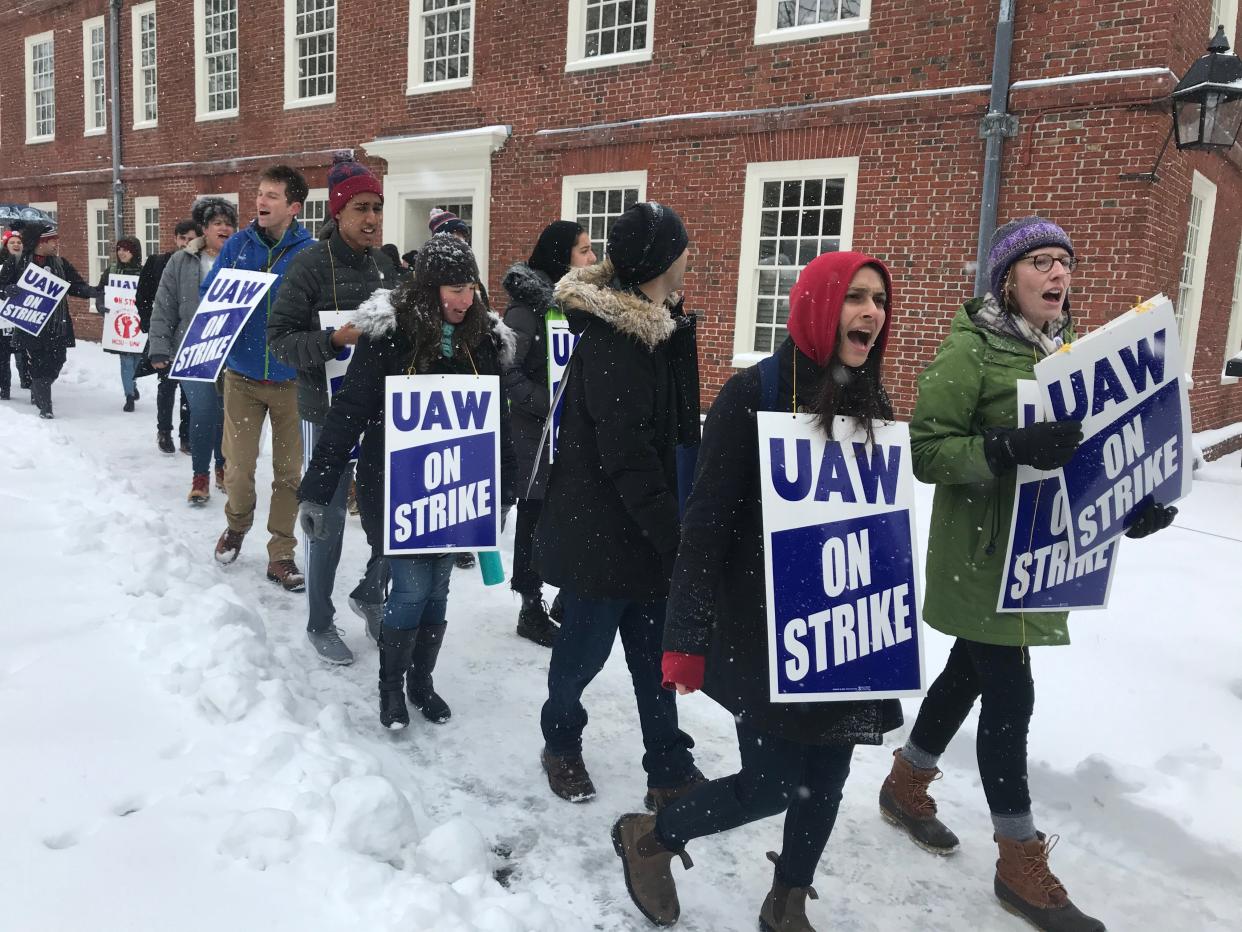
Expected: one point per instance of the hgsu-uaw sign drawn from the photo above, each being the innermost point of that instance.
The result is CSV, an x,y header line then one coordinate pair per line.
x,y
561,345
224,310
840,559
442,475
122,330
1124,382
1041,573
38,293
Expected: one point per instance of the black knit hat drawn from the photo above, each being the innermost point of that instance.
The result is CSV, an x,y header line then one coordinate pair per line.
x,y
554,248
206,209
445,260
645,241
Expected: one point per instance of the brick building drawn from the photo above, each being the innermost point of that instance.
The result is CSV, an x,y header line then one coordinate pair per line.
x,y
778,128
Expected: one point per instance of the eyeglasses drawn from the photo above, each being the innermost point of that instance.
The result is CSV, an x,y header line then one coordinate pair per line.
x,y
1043,262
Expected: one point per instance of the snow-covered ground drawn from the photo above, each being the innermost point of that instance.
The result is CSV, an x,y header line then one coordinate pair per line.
x,y
175,756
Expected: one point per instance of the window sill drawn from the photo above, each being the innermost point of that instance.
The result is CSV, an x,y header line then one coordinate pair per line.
x,y
435,87
609,61
95,132
221,115
148,125
298,104
745,360
800,33
37,140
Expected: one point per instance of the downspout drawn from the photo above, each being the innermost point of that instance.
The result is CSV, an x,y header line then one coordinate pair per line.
x,y
114,69
997,125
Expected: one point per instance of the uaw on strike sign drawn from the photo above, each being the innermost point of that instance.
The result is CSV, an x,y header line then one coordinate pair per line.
x,y
31,307
840,560
561,345
224,310
442,475
122,331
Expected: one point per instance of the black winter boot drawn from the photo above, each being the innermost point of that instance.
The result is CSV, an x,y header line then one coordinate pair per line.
x,y
41,396
396,645
163,440
533,622
129,403
418,683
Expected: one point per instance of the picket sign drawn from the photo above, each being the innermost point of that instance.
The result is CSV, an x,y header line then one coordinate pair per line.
x,y
232,298
561,345
1125,383
38,294
442,469
122,330
335,368
1040,574
840,560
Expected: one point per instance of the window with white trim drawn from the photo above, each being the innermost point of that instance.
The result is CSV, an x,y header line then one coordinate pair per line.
x,y
310,52
216,62
94,77
48,207
596,201
1224,13
441,52
1233,342
145,68
790,20
608,32
147,224
99,235
40,88
1194,264
315,210
791,212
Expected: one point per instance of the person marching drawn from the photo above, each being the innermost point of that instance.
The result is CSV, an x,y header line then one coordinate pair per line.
x,y
561,246
795,756
11,253
126,260
964,439
434,322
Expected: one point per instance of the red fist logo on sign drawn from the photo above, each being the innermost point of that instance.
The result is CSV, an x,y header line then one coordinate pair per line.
x,y
126,326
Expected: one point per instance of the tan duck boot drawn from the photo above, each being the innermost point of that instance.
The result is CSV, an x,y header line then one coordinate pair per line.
x,y
905,802
784,908
648,867
1027,887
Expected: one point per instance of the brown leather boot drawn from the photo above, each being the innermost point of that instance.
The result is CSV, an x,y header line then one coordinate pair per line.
x,y
784,908
648,867
659,797
1027,887
904,801
567,776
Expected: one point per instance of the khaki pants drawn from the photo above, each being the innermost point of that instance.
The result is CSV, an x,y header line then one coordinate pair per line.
x,y
246,403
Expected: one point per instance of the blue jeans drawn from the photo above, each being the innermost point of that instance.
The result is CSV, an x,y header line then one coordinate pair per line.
x,y
420,587
129,365
206,424
802,780
588,630
323,556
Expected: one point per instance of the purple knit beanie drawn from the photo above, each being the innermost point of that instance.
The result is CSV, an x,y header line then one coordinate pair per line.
x,y
1015,239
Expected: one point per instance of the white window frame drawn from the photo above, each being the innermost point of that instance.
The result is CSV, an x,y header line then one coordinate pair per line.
x,y
414,63
767,33
1205,190
31,121
575,41
1233,341
572,185
93,206
90,126
292,100
1224,13
201,114
757,173
48,206
316,195
141,206
137,14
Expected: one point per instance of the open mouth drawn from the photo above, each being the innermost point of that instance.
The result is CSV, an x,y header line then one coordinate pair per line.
x,y
1054,295
369,231
860,337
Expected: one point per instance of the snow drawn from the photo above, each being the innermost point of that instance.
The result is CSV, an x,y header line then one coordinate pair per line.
x,y
175,756
1206,439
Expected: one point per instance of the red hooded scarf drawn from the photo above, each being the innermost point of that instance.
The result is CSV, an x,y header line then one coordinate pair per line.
x,y
816,299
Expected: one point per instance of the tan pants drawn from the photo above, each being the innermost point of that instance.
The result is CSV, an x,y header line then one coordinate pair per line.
x,y
246,403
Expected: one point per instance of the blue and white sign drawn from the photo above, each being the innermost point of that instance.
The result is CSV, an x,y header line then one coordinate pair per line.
x,y
336,367
1041,575
841,561
561,345
224,310
442,476
38,294
1125,383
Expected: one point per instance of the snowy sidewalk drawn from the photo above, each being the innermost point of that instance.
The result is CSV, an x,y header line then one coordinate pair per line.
x,y
175,756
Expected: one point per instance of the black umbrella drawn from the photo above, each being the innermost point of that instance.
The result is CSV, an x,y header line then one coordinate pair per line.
x,y
11,212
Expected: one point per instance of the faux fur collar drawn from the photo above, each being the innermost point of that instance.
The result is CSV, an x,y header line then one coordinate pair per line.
x,y
377,318
590,291
529,287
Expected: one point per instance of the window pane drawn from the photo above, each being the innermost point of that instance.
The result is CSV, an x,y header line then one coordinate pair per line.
x,y
446,34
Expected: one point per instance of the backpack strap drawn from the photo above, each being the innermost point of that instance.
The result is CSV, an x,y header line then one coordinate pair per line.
x,y
769,383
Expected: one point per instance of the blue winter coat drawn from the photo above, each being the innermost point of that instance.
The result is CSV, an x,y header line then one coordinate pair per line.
x,y
246,249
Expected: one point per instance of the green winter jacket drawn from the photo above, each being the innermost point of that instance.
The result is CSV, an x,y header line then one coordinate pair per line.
x,y
969,387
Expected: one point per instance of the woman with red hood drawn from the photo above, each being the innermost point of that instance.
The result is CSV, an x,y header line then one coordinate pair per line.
x,y
795,756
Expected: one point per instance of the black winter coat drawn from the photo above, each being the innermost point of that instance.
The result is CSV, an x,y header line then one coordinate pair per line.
x,y
718,604
526,380
149,286
358,409
46,352
308,287
609,527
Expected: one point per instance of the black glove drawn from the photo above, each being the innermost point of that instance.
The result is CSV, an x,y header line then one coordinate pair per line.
x,y
157,357
10,291
313,519
1047,445
1151,517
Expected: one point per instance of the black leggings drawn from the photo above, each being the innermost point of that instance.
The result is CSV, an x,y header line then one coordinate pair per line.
x,y
1002,675
525,580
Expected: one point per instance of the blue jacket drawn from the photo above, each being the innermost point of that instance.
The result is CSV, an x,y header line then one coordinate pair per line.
x,y
246,249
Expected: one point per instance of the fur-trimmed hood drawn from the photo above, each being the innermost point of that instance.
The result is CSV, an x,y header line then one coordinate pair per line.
x,y
529,286
377,318
590,290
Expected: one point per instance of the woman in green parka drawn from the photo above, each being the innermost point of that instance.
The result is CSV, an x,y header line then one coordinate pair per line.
x,y
964,438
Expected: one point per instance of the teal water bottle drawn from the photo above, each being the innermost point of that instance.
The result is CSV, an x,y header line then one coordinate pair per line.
x,y
490,566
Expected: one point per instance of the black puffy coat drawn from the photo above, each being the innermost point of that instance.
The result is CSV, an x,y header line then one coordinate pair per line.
x,y
526,380
718,604
358,409
609,524
47,351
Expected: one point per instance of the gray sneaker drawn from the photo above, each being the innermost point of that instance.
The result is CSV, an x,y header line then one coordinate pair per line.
x,y
372,613
330,646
